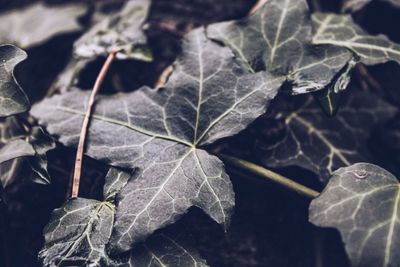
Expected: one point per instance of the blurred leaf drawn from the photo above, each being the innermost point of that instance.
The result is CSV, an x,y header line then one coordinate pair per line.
x,y
122,32
356,5
37,23
362,201
321,144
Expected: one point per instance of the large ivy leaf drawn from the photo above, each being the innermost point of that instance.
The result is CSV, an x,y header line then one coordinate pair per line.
x,y
37,23
209,96
12,99
165,250
79,231
322,144
342,31
122,32
19,147
277,38
355,5
362,201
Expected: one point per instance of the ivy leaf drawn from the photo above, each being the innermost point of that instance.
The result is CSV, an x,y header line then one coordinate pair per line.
x,y
356,5
362,201
79,231
321,144
165,250
277,38
37,23
12,99
19,147
122,32
342,31
208,96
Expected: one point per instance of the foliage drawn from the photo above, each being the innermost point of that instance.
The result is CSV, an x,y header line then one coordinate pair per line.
x,y
259,87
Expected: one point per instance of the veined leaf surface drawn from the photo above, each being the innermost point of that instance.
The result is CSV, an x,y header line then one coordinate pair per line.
x,y
362,201
161,132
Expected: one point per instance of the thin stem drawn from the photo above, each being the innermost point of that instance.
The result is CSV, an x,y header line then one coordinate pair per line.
x,y
82,138
257,6
270,175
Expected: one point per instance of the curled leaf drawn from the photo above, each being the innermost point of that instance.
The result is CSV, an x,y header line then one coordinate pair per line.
x,y
12,98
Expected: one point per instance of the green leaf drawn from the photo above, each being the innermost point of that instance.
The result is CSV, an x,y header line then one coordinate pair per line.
x,y
356,5
342,31
161,132
277,38
165,250
362,201
321,144
79,231
37,23
12,99
122,32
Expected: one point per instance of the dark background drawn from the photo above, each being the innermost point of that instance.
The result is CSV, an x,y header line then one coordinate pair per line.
x,y
270,227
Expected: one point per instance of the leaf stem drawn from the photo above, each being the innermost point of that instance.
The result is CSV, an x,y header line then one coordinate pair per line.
x,y
256,7
269,175
85,124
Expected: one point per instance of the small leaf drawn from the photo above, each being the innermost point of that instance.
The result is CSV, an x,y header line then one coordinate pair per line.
x,y
277,38
161,132
342,31
362,201
122,32
37,23
165,250
12,99
322,144
79,231
19,147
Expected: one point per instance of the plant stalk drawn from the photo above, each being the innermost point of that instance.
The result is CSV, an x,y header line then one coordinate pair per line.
x,y
270,175
85,124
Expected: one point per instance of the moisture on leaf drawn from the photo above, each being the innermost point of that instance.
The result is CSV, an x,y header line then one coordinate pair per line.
x,y
12,98
122,32
209,96
342,31
362,201
277,38
322,144
78,232
37,23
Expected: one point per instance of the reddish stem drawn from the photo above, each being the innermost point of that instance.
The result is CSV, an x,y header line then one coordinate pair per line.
x,y
85,124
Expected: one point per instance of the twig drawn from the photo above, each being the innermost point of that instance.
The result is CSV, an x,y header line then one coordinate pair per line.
x,y
82,138
257,6
163,78
270,175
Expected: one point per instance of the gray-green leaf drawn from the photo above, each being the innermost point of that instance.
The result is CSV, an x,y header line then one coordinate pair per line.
x,y
362,201
209,96
37,23
342,31
121,32
165,250
78,232
277,38
12,99
322,144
